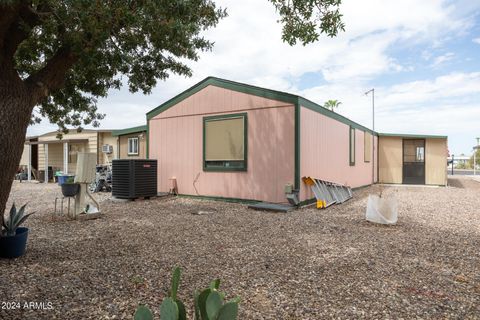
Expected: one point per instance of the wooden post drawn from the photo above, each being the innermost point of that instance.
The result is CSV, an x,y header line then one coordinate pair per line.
x,y
45,147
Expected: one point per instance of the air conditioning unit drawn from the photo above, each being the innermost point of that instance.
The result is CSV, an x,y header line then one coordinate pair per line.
x,y
106,148
134,178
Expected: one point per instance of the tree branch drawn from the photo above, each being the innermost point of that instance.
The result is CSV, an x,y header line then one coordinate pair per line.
x,y
9,15
25,18
52,76
33,17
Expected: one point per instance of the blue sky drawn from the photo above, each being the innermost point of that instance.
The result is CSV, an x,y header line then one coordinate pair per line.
x,y
422,58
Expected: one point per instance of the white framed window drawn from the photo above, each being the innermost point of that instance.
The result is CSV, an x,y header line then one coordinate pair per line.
x,y
133,146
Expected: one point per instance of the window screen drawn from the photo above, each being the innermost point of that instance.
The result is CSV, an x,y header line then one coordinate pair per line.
x,y
367,146
413,151
225,142
352,146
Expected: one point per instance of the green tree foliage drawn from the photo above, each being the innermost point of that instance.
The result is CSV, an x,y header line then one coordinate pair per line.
x,y
477,159
100,43
305,20
332,104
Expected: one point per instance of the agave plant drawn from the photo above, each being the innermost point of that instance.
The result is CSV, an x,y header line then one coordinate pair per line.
x,y
15,219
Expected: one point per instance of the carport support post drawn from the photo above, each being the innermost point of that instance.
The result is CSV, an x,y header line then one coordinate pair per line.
x,y
29,162
45,147
65,158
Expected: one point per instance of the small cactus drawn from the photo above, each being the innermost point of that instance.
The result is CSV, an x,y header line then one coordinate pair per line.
x,y
143,313
209,304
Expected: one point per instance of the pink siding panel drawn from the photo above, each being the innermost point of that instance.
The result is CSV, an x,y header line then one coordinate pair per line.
x,y
324,152
176,140
213,100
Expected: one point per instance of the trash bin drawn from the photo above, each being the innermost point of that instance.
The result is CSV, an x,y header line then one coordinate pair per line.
x,y
63,178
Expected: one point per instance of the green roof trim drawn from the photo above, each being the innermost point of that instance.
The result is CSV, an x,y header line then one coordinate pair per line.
x,y
419,136
226,84
129,130
256,91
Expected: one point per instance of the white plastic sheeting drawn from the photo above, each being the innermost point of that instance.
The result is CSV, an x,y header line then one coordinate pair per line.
x,y
382,210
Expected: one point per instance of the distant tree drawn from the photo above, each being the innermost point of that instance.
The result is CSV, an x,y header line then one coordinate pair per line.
x,y
477,159
58,56
332,104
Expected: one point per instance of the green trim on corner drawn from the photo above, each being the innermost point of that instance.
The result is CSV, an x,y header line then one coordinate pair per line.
x,y
351,136
297,146
147,141
244,168
224,199
226,84
123,132
419,136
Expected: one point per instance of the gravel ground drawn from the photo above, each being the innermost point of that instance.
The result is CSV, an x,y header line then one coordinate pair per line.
x,y
307,264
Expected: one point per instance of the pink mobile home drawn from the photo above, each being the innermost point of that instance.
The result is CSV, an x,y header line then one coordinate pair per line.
x,y
226,139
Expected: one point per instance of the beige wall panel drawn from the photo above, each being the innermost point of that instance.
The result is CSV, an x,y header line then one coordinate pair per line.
x,y
41,157
390,160
107,138
142,142
55,157
436,161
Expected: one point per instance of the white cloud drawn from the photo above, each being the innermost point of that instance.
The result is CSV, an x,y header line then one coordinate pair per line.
x,y
442,59
476,40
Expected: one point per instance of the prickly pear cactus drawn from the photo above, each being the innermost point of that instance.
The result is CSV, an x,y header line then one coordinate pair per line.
x,y
209,304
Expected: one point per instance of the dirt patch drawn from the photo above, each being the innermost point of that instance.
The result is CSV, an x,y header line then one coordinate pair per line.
x,y
305,264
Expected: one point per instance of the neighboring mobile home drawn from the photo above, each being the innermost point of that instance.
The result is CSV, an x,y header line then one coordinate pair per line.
x,y
47,151
131,142
231,140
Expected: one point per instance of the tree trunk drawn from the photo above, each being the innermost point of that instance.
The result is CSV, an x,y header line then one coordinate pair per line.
x,y
15,112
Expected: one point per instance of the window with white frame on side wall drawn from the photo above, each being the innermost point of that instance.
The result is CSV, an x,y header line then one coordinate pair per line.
x,y
133,146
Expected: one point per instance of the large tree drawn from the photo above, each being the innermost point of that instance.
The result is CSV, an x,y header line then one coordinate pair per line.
x,y
58,56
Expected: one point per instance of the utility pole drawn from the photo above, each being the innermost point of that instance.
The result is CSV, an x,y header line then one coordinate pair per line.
x,y
373,135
